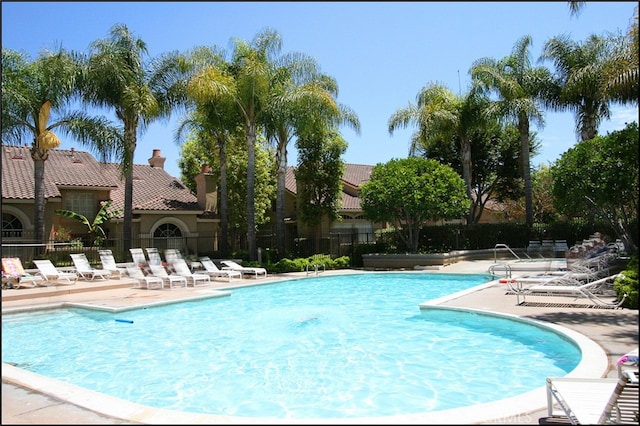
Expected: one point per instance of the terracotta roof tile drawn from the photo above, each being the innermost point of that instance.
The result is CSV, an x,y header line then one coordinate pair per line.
x,y
153,188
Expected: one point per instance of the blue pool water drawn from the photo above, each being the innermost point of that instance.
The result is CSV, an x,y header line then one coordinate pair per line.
x,y
329,347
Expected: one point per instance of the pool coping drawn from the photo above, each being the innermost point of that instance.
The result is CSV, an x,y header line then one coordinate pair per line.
x,y
594,363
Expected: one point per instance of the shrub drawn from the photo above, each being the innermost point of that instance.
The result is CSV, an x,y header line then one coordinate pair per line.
x,y
628,284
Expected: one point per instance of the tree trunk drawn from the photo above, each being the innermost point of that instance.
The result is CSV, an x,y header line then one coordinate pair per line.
x,y
130,149
39,156
281,164
523,127
251,208
466,173
224,200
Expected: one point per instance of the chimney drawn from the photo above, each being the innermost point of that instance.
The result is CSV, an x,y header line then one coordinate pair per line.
x,y
207,190
157,160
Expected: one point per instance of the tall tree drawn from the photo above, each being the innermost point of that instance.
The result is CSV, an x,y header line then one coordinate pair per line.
x,y
216,120
249,86
599,178
441,117
300,94
117,74
579,71
521,89
622,72
34,95
319,176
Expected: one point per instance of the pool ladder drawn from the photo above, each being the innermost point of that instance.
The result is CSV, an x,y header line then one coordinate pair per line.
x,y
505,268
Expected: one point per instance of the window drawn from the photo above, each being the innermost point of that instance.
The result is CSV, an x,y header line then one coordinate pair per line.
x,y
11,226
80,202
167,235
167,230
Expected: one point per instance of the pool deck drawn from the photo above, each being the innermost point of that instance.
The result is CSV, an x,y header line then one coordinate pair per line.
x,y
32,399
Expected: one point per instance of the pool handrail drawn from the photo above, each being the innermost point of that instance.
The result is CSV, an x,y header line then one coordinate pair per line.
x,y
500,245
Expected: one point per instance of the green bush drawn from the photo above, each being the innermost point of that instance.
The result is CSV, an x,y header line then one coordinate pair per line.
x,y
628,284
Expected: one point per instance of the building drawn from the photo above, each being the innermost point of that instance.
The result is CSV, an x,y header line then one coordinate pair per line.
x,y
166,214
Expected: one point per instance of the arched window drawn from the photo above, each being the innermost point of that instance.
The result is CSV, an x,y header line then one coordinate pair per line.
x,y
168,235
167,230
11,226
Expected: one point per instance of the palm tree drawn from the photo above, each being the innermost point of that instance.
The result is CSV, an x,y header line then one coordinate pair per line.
x,y
521,90
621,73
579,69
443,117
300,94
117,76
31,92
248,85
216,120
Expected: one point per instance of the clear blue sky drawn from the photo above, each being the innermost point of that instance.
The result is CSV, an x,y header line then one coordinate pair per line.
x,y
380,53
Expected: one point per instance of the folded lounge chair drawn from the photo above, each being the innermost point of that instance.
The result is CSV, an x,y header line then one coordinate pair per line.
x,y
16,276
587,291
85,270
215,272
49,272
256,272
181,268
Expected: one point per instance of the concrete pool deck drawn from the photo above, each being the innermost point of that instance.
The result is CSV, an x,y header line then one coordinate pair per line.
x,y
32,399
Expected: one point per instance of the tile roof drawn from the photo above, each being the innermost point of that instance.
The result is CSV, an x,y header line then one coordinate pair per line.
x,y
354,176
153,187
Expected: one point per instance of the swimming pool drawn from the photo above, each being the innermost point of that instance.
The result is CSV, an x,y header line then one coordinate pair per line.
x,y
358,344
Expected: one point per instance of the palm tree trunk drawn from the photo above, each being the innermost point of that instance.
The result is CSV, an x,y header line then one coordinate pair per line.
x,y
466,173
224,200
281,161
39,156
523,127
130,148
251,208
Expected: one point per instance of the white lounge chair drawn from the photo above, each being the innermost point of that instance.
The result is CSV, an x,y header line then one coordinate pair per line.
x,y
587,291
154,256
137,254
149,281
16,276
109,263
85,270
181,268
160,272
215,272
593,401
49,272
256,272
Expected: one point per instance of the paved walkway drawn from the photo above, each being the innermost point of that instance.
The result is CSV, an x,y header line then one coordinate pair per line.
x,y
25,401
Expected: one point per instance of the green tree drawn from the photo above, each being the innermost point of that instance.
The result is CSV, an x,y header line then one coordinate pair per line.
x,y
194,153
34,95
598,178
579,71
441,117
319,176
622,73
521,91
300,94
118,75
94,227
215,120
412,191
249,86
